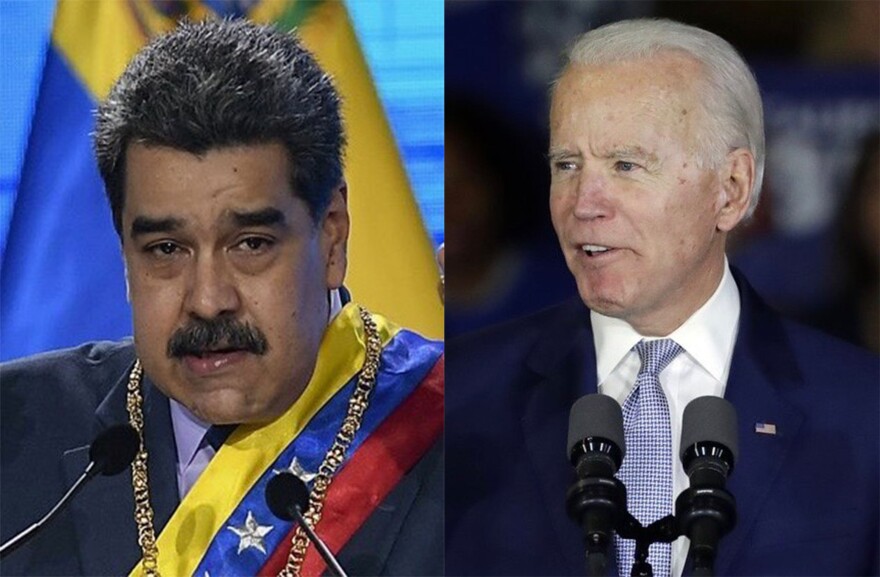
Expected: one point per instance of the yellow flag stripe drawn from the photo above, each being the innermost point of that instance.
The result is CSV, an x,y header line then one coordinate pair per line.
x,y
391,261
97,39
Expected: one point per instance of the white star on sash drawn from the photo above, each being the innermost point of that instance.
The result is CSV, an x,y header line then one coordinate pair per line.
x,y
297,469
250,535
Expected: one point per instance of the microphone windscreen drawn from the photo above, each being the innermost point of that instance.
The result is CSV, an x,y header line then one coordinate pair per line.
x,y
711,419
114,449
284,493
596,416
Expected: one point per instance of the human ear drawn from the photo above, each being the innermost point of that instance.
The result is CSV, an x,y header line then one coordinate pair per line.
x,y
334,237
737,178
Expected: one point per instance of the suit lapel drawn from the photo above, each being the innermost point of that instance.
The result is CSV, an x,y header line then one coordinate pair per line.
x,y
763,368
103,512
564,365
162,451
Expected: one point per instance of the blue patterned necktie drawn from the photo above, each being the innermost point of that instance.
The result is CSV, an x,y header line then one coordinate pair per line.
x,y
647,468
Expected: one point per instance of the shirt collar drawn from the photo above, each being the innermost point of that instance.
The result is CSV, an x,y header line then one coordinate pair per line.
x,y
189,430
707,336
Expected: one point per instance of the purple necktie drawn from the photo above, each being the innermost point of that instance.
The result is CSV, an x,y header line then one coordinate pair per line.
x,y
647,468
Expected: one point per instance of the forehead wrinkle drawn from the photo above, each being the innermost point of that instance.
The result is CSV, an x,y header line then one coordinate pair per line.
x,y
628,151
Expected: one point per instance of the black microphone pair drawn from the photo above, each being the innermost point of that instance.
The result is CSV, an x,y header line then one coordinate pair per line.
x,y
114,449
597,500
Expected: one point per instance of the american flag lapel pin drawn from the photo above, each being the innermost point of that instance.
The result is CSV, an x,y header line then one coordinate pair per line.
x,y
765,428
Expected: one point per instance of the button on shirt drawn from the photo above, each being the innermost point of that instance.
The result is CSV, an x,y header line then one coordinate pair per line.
x,y
707,337
193,452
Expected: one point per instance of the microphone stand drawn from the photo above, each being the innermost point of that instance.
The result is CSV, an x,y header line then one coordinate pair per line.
x,y
706,514
597,503
663,530
25,535
332,564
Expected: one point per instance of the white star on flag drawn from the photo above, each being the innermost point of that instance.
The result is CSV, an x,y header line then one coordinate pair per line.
x,y
250,535
297,469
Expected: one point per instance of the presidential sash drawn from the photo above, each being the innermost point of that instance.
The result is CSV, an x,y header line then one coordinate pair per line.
x,y
223,525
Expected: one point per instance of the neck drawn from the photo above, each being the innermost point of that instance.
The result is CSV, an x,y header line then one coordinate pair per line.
x,y
686,301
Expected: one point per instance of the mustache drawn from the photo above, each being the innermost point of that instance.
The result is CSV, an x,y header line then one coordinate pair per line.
x,y
204,335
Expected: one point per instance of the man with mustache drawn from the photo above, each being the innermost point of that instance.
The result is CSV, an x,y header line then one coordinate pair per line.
x,y
221,150
656,155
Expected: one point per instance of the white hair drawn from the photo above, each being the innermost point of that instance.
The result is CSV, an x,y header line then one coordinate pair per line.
x,y
730,97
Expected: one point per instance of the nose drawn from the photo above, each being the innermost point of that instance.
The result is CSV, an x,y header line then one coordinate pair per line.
x,y
212,290
592,200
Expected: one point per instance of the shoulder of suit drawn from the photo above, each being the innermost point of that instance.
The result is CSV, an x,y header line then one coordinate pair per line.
x,y
95,366
556,319
821,349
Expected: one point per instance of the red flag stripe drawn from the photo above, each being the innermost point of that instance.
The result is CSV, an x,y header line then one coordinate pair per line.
x,y
373,471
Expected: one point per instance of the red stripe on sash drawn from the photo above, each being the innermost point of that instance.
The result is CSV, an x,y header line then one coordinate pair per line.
x,y
373,471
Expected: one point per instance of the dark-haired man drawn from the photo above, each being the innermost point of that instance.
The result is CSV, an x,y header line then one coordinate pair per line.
x,y
221,150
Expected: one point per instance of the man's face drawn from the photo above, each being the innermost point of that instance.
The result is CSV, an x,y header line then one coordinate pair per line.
x,y
228,277
625,177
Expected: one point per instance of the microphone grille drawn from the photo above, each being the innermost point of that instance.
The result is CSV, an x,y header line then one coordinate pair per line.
x,y
285,492
114,449
710,419
596,416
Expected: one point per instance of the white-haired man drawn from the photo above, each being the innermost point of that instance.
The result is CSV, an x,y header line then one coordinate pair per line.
x,y
656,155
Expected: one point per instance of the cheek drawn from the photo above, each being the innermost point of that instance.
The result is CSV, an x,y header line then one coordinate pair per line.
x,y
279,301
558,210
155,303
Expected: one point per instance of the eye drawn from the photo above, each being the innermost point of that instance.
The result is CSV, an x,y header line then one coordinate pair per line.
x,y
564,165
163,249
625,166
254,244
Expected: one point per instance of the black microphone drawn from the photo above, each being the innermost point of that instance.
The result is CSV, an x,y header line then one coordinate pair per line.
x,y
110,453
707,511
597,500
287,497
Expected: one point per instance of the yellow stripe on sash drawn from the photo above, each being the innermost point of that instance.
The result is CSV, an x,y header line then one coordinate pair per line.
x,y
251,449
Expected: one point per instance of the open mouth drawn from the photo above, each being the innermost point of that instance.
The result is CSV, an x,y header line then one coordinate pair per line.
x,y
596,249
209,362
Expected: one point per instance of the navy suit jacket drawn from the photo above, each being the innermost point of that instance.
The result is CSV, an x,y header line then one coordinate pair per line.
x,y
53,405
807,497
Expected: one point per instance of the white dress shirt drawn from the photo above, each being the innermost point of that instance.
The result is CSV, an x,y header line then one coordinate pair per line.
x,y
707,338
193,452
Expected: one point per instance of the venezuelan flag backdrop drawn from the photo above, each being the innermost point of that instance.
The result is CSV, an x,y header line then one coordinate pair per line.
x,y
66,284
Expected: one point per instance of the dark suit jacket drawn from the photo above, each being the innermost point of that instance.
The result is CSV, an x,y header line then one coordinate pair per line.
x,y
53,405
807,497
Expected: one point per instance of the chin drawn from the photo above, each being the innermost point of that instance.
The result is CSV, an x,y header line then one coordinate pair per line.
x,y
220,409
602,301
606,307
